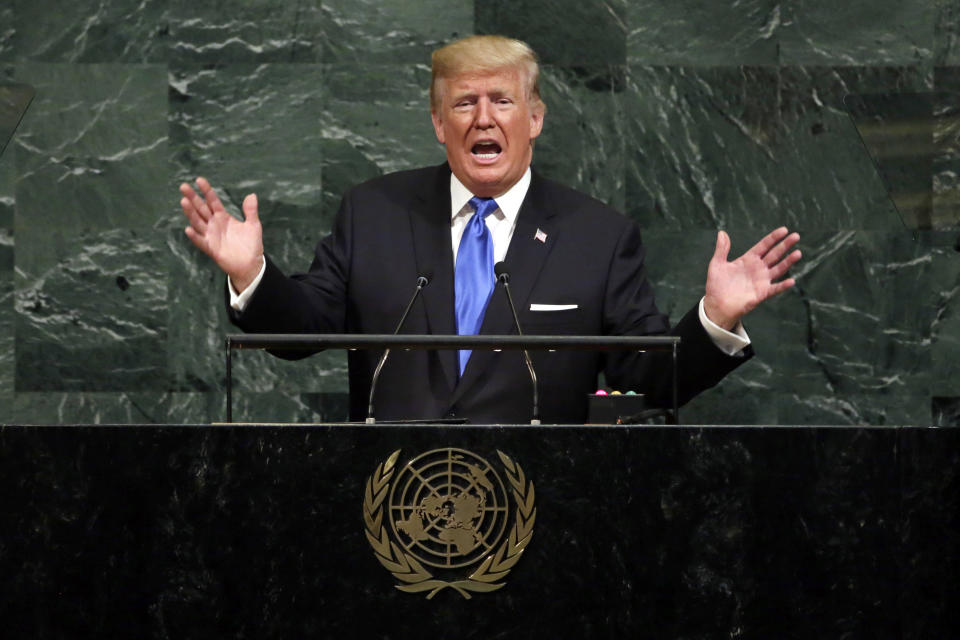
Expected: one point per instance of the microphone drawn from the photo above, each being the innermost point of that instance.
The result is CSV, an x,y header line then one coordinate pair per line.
x,y
422,281
503,278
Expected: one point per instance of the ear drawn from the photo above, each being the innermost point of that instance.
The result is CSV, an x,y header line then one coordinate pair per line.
x,y
438,127
536,121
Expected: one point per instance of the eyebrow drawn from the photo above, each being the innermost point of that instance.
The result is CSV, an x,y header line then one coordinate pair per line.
x,y
497,92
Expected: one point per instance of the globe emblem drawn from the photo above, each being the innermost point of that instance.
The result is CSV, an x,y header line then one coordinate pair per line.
x,y
448,508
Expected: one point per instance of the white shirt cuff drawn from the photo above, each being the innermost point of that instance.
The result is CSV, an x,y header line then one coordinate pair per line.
x,y
730,342
238,301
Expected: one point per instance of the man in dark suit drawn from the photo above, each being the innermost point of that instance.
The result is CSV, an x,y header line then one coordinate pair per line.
x,y
577,266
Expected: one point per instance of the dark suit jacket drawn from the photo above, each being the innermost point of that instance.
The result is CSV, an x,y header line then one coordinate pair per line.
x,y
394,228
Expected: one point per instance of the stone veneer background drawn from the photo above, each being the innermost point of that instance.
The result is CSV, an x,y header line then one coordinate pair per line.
x,y
688,116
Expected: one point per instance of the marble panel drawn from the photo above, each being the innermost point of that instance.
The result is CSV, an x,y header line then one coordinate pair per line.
x,y
857,32
378,31
376,120
178,31
110,31
826,179
90,294
946,44
946,411
197,407
945,321
53,407
588,33
853,335
946,160
7,174
172,408
238,31
108,114
7,343
676,265
702,147
739,399
853,409
283,406
88,153
95,319
7,31
689,32
580,145
249,129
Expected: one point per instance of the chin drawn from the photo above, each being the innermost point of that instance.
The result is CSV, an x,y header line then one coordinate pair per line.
x,y
487,181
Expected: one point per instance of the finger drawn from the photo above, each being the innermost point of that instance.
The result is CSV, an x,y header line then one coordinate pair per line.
x,y
722,248
769,241
780,249
196,220
210,195
779,269
779,287
187,190
198,240
200,206
250,208
197,206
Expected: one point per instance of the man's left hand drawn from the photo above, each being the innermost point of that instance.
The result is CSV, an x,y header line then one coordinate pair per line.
x,y
734,289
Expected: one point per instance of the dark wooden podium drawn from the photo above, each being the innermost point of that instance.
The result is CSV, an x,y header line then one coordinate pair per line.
x,y
258,531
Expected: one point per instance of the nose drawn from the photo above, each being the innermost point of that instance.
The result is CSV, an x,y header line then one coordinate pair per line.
x,y
484,118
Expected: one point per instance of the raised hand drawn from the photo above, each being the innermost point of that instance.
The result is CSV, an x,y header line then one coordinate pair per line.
x,y
735,288
236,246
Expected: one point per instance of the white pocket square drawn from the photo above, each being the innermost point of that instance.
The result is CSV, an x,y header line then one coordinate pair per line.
x,y
553,307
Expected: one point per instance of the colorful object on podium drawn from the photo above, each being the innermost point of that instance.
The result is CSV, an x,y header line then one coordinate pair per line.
x,y
614,407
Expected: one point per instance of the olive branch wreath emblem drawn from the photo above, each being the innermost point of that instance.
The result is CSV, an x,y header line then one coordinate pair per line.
x,y
407,569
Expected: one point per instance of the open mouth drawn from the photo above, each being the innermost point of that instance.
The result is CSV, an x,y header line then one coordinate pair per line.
x,y
486,150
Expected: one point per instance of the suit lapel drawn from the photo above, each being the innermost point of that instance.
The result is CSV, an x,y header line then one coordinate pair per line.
x,y
525,258
430,226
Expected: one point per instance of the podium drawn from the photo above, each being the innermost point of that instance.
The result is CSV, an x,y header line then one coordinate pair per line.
x,y
650,532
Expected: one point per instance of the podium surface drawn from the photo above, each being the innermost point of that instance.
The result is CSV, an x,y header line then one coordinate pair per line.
x,y
660,532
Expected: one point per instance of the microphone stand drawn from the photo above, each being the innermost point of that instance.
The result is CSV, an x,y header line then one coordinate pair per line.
x,y
422,281
504,278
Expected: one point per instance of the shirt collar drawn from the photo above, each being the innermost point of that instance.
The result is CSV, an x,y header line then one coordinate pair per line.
x,y
509,202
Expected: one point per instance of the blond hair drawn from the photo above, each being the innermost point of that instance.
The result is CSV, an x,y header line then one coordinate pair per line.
x,y
485,54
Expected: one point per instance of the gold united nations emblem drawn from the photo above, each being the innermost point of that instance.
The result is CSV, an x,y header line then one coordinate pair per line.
x,y
444,519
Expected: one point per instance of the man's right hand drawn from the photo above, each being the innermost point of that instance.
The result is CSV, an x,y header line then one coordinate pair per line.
x,y
236,246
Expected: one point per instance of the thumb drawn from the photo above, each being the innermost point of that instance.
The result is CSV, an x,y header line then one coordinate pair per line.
x,y
722,250
250,208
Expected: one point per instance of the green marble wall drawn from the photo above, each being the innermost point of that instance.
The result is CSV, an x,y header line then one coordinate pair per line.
x,y
689,116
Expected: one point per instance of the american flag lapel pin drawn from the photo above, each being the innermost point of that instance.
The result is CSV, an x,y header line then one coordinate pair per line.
x,y
540,235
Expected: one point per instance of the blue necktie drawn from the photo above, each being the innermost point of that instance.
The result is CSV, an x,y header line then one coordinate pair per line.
x,y
474,278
